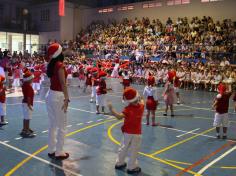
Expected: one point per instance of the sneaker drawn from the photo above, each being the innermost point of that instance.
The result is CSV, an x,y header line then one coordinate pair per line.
x,y
218,136
172,115
165,114
62,157
224,137
91,101
178,102
134,171
4,123
51,155
97,112
147,124
120,167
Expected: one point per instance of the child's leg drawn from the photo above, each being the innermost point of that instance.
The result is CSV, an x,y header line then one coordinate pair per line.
x,y
147,117
165,114
133,152
123,150
172,110
225,132
218,132
153,118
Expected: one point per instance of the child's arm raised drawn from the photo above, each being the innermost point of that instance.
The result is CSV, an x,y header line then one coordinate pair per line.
x,y
118,115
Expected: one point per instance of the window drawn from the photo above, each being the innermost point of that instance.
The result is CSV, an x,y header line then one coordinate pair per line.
x,y
106,10
124,8
45,15
152,5
177,2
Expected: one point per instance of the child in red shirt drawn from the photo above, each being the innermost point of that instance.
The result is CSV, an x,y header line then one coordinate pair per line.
x,y
132,130
27,103
2,101
36,81
221,106
101,91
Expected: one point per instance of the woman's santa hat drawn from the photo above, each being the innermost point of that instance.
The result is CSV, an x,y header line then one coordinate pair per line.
x,y
130,95
28,76
54,50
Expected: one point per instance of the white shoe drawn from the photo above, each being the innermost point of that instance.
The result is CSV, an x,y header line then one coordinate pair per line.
x,y
91,100
4,123
178,102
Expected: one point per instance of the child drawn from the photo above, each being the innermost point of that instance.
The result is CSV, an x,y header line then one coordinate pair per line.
x,y
132,130
88,77
221,106
126,79
234,99
151,103
81,76
94,82
27,103
36,81
101,91
16,78
169,97
2,101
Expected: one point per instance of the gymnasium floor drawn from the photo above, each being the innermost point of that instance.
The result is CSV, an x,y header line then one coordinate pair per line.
x,y
188,148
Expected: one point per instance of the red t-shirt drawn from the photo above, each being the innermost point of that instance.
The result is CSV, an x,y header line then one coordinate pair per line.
x,y
222,105
171,75
17,73
28,93
55,82
133,119
2,93
95,81
101,89
37,76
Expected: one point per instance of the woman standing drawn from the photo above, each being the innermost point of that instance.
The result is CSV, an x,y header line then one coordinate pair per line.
x,y
57,101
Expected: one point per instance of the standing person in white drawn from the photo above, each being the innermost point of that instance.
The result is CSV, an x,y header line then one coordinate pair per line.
x,y
57,101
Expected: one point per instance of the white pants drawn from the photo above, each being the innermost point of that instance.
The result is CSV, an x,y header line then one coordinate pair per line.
x,y
129,147
36,86
100,100
3,109
16,82
57,121
27,113
93,93
221,120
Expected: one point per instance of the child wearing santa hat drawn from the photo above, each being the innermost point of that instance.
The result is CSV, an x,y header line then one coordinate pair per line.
x,y
81,76
2,101
101,91
150,93
88,78
131,129
169,97
16,78
36,81
221,106
95,80
27,103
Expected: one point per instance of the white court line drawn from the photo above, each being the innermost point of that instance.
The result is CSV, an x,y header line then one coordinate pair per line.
x,y
201,171
18,138
6,141
89,122
82,110
188,132
79,124
45,131
39,159
99,120
68,126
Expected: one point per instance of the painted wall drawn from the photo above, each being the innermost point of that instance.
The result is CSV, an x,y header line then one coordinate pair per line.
x,y
218,10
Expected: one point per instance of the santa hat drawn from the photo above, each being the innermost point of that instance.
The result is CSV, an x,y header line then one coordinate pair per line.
x,y
54,50
130,95
94,70
151,81
102,74
221,90
28,76
2,78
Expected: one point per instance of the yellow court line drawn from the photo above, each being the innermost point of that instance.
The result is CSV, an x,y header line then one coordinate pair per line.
x,y
109,133
20,164
181,142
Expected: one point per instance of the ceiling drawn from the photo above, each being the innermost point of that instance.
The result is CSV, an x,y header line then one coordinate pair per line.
x,y
92,3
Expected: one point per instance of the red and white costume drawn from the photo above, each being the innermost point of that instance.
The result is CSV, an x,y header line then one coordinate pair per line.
x,y
2,97
101,90
37,77
95,80
150,93
131,129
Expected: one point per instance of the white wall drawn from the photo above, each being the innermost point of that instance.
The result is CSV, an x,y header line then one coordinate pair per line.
x,y
218,10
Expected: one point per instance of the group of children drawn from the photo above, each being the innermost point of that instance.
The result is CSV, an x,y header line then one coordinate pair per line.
x,y
132,112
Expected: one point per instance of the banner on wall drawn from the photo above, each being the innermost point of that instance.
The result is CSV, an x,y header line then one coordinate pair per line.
x,y
61,7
